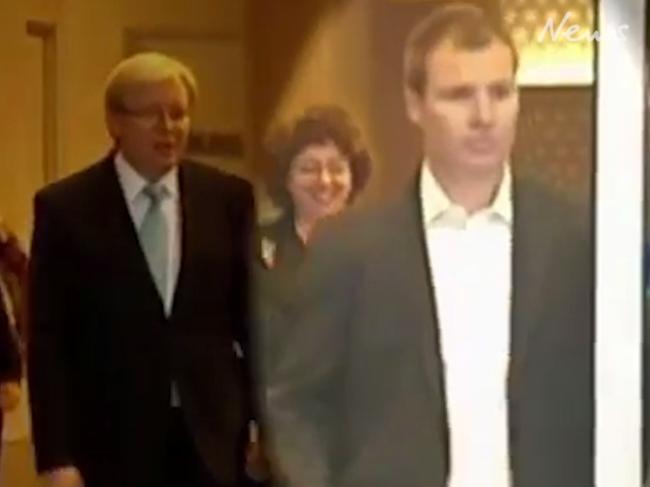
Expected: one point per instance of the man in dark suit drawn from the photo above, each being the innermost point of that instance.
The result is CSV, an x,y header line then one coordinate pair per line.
x,y
446,338
139,345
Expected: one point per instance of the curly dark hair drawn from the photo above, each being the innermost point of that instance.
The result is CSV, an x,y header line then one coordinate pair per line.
x,y
316,126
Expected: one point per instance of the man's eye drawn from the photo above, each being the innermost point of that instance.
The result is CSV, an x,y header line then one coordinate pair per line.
x,y
143,111
502,90
460,93
177,115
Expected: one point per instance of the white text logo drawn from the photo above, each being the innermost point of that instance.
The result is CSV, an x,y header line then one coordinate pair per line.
x,y
576,33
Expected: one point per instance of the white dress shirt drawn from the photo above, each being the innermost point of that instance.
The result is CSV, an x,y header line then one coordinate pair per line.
x,y
132,185
138,203
470,261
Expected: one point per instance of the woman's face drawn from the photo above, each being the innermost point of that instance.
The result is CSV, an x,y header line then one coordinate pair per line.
x,y
319,181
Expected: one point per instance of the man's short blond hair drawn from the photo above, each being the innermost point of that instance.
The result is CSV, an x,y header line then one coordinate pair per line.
x,y
143,68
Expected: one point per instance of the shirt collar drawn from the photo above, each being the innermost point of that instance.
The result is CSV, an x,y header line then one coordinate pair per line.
x,y
133,183
436,204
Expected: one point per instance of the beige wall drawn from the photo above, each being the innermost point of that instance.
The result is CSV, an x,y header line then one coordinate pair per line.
x,y
20,124
309,54
89,44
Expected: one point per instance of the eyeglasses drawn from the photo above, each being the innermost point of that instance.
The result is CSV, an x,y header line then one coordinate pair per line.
x,y
152,116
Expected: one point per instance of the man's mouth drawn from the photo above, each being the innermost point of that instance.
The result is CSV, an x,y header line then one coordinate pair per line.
x,y
166,148
481,145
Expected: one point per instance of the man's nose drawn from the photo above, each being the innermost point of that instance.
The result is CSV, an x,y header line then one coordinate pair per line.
x,y
165,121
483,109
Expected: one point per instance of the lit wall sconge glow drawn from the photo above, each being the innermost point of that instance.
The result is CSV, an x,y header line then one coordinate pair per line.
x,y
554,40
542,67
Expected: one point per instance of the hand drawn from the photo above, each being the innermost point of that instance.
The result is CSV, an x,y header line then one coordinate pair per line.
x,y
257,463
9,396
63,477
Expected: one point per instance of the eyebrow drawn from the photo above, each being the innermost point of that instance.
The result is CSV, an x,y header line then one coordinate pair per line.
x,y
463,86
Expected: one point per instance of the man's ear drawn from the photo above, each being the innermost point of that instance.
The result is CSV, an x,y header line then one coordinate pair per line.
x,y
413,102
113,125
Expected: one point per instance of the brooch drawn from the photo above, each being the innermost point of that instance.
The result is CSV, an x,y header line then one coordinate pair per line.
x,y
268,249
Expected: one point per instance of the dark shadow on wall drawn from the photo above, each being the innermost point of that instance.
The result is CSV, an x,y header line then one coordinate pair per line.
x,y
277,33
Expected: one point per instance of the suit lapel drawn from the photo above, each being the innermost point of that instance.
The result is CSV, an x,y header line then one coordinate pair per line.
x,y
118,230
423,282
190,230
406,233
531,259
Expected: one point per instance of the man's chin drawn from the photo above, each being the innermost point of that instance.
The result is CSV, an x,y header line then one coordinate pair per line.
x,y
486,163
165,163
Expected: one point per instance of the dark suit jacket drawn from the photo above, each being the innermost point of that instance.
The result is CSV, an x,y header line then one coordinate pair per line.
x,y
103,353
275,279
10,362
358,399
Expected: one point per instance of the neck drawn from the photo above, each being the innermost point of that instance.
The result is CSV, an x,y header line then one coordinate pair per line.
x,y
152,175
151,172
473,192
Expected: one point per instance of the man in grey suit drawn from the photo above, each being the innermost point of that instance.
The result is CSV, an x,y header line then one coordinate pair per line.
x,y
445,340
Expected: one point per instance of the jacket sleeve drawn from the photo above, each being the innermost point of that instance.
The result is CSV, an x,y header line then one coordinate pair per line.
x,y
50,313
304,388
243,221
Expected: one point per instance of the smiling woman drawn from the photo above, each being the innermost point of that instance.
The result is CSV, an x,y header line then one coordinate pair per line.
x,y
321,167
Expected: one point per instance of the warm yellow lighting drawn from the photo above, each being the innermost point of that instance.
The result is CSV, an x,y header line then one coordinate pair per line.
x,y
553,39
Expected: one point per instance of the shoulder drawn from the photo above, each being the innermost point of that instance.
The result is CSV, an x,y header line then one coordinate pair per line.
x,y
550,215
364,224
556,208
215,188
552,195
76,189
353,236
275,229
212,178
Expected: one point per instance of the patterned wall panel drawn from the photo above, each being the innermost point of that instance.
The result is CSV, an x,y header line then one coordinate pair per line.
x,y
556,141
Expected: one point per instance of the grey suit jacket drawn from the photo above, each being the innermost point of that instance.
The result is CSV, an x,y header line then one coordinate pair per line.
x,y
358,399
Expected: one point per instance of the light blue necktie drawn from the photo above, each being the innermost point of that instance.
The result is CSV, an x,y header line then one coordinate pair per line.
x,y
154,237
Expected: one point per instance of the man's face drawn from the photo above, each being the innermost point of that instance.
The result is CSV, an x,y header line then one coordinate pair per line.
x,y
152,129
468,111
